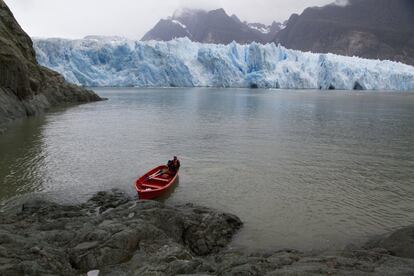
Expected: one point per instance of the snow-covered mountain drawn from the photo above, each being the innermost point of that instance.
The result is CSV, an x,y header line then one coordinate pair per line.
x,y
213,26
180,62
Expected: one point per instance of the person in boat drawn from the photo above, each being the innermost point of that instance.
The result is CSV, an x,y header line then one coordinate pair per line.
x,y
173,165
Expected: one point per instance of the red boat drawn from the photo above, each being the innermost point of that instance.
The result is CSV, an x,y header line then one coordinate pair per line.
x,y
155,182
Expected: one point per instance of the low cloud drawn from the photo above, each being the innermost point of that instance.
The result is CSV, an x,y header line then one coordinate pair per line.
x,y
200,4
132,18
342,3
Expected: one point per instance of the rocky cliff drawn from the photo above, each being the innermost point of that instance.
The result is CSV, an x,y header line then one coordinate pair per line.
x,y
375,29
26,88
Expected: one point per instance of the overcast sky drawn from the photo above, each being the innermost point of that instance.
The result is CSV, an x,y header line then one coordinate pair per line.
x,y
132,18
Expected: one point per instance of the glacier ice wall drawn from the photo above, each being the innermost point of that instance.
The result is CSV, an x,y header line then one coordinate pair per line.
x,y
181,63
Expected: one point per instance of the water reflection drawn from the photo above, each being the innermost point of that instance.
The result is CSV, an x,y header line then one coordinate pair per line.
x,y
22,158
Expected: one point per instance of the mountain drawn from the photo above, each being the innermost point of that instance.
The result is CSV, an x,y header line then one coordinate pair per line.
x,y
269,30
26,88
374,29
382,29
183,63
213,26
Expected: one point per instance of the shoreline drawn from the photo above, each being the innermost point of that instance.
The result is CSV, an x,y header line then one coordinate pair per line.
x,y
118,235
249,88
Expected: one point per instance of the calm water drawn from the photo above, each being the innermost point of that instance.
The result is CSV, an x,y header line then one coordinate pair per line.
x,y
303,169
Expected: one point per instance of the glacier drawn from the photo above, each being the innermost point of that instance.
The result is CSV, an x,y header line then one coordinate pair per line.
x,y
119,62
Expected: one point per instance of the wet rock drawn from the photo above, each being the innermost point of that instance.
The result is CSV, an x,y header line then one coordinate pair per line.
x,y
85,246
109,200
400,243
210,232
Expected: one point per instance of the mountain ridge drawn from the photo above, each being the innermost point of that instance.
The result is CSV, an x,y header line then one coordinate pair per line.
x,y
374,29
214,26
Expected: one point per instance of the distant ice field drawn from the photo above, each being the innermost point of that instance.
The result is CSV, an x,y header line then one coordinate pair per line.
x,y
119,62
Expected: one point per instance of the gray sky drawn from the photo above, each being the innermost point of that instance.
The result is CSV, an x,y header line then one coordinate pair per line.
x,y
132,18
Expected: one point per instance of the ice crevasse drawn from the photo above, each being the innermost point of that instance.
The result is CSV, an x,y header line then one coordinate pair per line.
x,y
182,63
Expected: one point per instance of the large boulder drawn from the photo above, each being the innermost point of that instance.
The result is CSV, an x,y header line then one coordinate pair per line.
x,y
399,243
110,229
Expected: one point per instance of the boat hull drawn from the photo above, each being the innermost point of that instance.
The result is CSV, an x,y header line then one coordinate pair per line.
x,y
155,182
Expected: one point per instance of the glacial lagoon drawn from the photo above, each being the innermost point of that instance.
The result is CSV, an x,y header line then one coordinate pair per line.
x,y
302,169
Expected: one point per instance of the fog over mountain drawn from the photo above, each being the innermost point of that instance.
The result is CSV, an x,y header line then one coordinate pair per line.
x,y
375,29
214,26
131,18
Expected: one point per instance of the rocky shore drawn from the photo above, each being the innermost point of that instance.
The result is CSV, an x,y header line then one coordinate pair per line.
x,y
118,235
26,88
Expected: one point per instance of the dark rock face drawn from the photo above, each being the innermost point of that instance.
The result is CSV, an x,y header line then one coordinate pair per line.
x,y
166,30
211,27
118,235
27,88
375,29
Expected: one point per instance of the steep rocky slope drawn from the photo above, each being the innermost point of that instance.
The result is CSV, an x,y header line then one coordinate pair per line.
x,y
375,29
26,88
